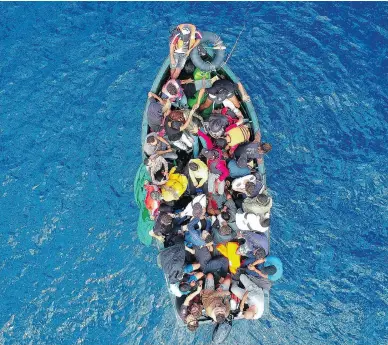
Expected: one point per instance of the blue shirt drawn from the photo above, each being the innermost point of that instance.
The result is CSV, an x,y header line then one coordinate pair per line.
x,y
193,235
274,261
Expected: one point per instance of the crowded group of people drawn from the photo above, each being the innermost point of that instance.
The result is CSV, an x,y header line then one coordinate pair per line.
x,y
209,202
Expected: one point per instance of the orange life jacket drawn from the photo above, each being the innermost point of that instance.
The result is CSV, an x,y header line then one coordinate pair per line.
x,y
151,204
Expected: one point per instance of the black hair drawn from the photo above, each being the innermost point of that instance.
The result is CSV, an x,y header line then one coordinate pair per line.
x,y
259,253
193,325
146,161
150,139
165,219
264,222
262,199
155,195
225,215
184,287
220,318
221,143
250,188
270,270
266,147
241,241
225,230
189,67
176,125
172,90
193,166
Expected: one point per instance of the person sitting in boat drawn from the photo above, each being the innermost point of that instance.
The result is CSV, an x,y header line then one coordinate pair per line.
x,y
255,244
198,173
251,295
215,126
223,92
191,309
176,135
251,222
214,302
175,186
192,86
152,199
227,216
157,110
218,170
184,39
155,144
163,226
250,185
259,205
189,280
223,233
236,135
198,228
270,268
236,171
157,167
189,209
254,150
173,91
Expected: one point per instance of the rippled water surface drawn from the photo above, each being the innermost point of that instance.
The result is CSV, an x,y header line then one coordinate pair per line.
x,y
73,83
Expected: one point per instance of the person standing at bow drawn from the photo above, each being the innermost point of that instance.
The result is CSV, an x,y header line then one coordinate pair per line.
x,y
184,39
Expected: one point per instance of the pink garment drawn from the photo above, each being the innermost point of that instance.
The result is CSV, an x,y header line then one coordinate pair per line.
x,y
231,119
220,162
221,166
209,143
230,127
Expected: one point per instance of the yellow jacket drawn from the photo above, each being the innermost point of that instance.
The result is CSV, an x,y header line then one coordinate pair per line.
x,y
202,173
229,251
174,187
238,135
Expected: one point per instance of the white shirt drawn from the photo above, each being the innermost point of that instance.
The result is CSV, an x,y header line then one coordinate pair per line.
x,y
188,211
238,184
249,221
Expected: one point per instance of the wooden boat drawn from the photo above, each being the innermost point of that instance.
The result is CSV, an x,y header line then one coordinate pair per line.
x,y
251,117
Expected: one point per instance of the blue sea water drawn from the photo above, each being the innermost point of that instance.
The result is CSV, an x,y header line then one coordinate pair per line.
x,y
73,83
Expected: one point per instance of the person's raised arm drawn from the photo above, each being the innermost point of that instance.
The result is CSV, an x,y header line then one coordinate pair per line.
x,y
260,273
258,261
193,178
243,93
257,137
161,153
202,181
163,141
200,95
187,81
153,95
184,126
172,49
